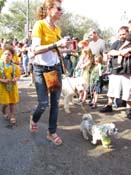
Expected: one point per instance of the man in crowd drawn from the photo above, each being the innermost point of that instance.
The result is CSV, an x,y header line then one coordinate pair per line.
x,y
96,44
120,79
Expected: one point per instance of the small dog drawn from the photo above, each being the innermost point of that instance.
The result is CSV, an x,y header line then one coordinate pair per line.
x,y
70,87
98,132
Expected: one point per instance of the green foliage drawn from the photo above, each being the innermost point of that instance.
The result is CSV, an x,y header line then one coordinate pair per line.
x,y
13,24
77,26
2,3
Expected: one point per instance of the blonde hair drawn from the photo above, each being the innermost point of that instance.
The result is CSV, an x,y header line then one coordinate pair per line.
x,y
42,10
87,52
100,58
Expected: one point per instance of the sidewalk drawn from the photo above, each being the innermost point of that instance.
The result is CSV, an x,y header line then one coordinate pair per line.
x,y
23,153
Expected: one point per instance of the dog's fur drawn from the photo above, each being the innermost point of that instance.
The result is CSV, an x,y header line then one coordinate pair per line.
x,y
88,127
70,87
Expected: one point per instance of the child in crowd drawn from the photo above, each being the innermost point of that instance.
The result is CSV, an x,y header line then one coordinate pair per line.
x,y
95,80
9,75
82,69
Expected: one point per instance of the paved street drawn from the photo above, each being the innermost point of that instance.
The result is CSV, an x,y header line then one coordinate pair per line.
x,y
23,153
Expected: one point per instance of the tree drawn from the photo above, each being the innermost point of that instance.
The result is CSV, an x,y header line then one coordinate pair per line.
x,y
2,3
14,22
76,25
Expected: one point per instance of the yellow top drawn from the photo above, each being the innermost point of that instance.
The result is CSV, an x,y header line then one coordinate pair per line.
x,y
45,33
6,96
1,52
16,59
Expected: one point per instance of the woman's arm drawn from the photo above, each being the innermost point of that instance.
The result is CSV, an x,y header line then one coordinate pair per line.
x,y
38,49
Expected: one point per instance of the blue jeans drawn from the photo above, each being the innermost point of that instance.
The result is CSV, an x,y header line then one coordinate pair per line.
x,y
43,97
25,63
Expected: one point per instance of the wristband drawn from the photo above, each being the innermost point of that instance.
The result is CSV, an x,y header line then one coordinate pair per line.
x,y
54,46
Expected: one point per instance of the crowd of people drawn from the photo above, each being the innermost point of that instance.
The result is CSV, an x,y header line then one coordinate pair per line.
x,y
46,49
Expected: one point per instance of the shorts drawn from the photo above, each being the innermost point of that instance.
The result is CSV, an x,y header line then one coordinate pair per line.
x,y
115,86
120,85
126,87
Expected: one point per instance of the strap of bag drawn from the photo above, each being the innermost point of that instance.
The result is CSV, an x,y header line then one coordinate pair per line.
x,y
61,61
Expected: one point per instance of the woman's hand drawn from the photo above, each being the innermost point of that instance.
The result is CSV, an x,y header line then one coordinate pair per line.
x,y
62,43
6,81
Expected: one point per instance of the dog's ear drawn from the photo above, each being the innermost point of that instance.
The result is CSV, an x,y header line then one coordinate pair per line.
x,y
87,116
90,117
114,128
112,125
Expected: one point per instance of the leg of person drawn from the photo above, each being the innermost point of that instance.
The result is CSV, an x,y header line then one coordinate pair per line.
x,y
97,91
51,135
54,109
128,112
42,94
84,96
91,89
114,91
81,94
95,100
126,95
31,74
5,115
12,115
25,64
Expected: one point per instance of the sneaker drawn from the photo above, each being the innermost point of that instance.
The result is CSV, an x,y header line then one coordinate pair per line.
x,y
128,112
107,108
25,75
93,106
90,102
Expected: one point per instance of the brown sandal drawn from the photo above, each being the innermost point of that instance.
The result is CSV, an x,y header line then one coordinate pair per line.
x,y
33,126
5,116
54,138
13,120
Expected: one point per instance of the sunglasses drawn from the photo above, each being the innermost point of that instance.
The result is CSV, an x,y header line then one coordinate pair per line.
x,y
59,8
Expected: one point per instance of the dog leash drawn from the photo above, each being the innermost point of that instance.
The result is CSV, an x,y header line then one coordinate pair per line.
x,y
64,71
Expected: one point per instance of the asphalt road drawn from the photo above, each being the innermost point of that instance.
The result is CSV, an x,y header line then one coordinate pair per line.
x,y
23,153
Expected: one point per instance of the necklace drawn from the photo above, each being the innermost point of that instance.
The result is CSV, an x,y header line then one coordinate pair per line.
x,y
9,86
51,25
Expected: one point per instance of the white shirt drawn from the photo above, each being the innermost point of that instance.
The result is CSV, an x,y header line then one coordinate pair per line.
x,y
48,58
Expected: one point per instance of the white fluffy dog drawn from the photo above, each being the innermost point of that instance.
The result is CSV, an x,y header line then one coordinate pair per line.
x,y
70,86
98,132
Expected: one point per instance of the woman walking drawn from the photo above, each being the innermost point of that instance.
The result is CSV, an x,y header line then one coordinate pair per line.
x,y
45,42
